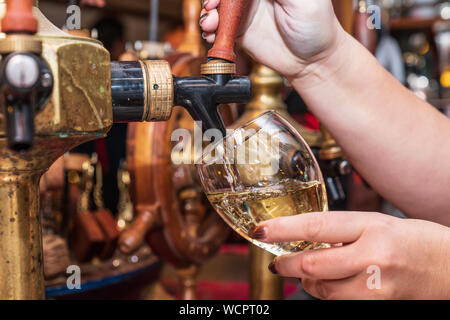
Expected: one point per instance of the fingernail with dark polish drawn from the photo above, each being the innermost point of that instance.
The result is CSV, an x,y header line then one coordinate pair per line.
x,y
203,17
258,232
204,3
272,268
203,35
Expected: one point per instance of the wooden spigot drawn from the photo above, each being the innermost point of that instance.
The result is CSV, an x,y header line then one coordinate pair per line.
x,y
230,17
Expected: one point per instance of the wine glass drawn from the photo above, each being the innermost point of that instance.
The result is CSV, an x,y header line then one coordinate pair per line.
x,y
260,171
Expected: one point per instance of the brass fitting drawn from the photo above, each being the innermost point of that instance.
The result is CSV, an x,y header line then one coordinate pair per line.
x,y
159,96
218,66
20,43
330,149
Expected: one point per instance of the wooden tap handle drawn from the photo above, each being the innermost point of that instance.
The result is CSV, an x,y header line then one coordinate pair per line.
x,y
230,16
19,17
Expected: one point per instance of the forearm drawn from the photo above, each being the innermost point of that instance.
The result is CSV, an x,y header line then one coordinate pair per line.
x,y
399,143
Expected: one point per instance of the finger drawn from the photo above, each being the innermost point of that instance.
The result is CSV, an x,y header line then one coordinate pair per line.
x,y
209,37
210,4
333,263
332,227
209,21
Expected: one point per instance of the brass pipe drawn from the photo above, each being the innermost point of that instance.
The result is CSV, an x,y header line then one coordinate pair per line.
x,y
264,285
21,264
21,268
20,229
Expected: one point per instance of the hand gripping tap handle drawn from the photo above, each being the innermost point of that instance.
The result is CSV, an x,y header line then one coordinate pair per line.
x,y
230,17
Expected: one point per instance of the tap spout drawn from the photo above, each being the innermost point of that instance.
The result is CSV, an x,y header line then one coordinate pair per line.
x,y
201,96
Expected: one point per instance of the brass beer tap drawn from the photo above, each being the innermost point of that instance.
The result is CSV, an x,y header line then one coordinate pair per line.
x,y
38,127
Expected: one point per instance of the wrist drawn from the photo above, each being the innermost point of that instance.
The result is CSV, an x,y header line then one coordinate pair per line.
x,y
333,64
